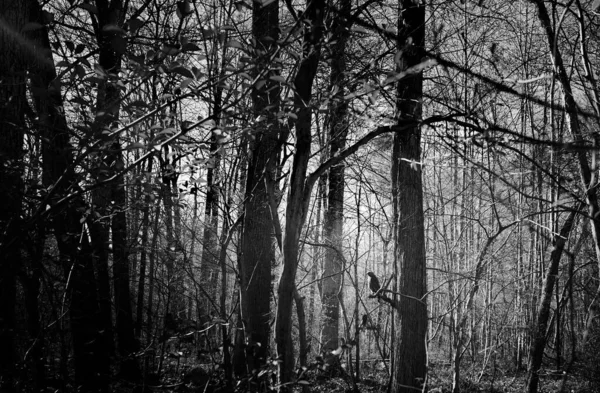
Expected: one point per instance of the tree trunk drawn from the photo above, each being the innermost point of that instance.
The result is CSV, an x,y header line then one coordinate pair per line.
x,y
90,353
126,341
258,252
210,240
111,199
410,360
13,15
151,274
587,176
143,256
538,343
299,192
334,216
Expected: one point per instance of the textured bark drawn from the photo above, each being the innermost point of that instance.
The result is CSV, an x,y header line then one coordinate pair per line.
x,y
410,361
538,343
110,200
257,244
210,240
126,341
334,215
299,191
90,353
13,15
587,177
143,258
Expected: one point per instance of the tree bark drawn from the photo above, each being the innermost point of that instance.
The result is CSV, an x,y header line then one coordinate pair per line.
x,y
59,177
110,199
334,215
257,243
410,362
143,257
298,197
588,177
13,15
538,343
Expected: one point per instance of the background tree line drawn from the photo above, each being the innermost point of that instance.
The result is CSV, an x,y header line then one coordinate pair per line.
x,y
202,187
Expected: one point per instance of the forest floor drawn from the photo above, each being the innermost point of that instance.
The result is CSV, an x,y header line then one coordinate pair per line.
x,y
496,379
441,382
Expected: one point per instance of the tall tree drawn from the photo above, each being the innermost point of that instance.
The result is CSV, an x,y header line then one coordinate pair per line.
x,y
110,199
538,342
299,191
66,214
257,242
410,361
334,215
587,181
13,16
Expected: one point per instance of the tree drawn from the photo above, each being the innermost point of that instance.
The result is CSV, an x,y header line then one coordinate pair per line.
x,y
67,213
334,215
410,361
12,122
265,143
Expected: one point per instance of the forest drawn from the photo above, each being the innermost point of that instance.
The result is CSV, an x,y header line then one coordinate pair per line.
x,y
299,196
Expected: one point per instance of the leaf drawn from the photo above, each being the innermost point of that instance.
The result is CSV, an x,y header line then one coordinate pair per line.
x,y
170,49
183,72
79,48
84,61
185,83
78,100
190,47
277,78
31,26
135,24
303,382
240,5
138,103
184,9
169,130
245,76
80,71
100,71
260,84
207,33
234,44
136,145
358,29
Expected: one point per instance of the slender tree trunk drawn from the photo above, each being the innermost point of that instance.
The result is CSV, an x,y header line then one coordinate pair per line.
x,y
257,242
151,274
299,191
588,177
13,15
334,215
90,353
410,360
167,171
210,240
143,257
111,199
126,341
538,343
